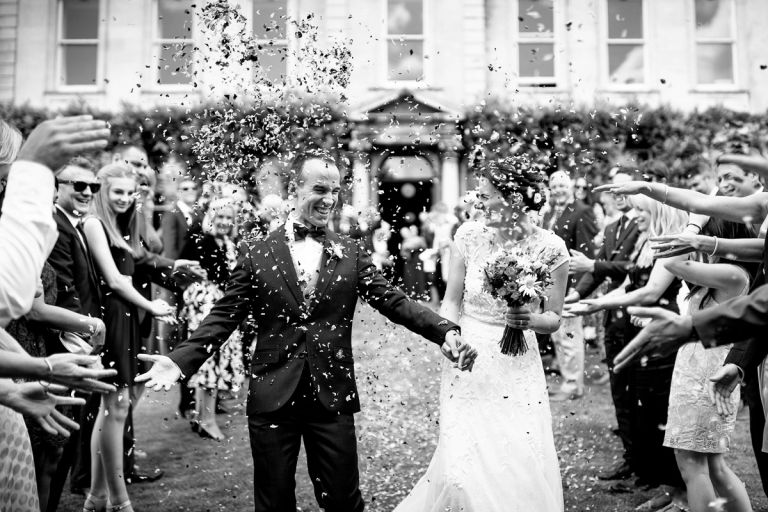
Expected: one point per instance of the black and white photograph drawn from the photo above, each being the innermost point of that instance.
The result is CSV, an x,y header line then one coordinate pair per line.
x,y
383,255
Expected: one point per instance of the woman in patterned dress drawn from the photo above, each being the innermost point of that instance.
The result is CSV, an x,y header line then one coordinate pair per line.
x,y
212,246
697,429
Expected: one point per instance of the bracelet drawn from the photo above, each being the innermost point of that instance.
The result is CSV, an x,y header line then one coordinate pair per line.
x,y
666,194
49,365
715,249
694,224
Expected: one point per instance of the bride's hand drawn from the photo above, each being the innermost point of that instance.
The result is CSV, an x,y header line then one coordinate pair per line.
x,y
519,318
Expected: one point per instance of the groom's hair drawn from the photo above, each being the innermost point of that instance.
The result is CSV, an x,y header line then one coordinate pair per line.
x,y
296,170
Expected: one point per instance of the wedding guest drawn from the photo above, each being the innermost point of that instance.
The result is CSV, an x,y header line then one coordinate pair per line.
x,y
112,231
697,428
175,225
574,222
609,269
648,282
212,245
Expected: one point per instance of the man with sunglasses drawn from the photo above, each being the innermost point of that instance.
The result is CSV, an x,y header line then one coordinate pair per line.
x,y
78,290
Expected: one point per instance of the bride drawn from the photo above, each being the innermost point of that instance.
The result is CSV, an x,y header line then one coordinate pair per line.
x,y
496,450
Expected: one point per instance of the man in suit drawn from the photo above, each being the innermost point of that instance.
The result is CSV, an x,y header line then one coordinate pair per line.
x,y
611,263
302,284
574,222
78,290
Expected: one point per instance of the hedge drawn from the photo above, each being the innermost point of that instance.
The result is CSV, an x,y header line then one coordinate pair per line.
x,y
586,141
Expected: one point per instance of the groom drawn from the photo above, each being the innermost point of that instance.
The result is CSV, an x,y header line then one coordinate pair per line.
x,y
302,283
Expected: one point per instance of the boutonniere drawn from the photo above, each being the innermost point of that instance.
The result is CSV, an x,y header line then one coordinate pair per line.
x,y
335,249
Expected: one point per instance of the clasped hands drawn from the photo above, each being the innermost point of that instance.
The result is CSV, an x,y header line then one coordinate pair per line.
x,y
462,354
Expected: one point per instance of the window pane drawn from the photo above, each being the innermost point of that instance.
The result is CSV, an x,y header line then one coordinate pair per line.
x,y
270,18
406,60
81,19
536,16
405,17
79,64
713,18
625,63
625,19
175,64
174,19
272,64
537,60
714,63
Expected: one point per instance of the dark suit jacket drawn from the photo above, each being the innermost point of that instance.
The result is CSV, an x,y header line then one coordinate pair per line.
x,y
175,228
748,356
293,332
77,281
612,258
577,227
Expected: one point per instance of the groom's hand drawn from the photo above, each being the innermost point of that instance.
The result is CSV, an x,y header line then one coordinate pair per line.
x,y
163,374
462,354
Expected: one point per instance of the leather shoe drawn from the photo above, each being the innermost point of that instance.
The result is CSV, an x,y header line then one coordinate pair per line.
x,y
562,397
617,472
622,488
140,478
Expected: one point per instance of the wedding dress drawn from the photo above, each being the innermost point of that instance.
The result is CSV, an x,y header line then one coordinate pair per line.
x,y
496,451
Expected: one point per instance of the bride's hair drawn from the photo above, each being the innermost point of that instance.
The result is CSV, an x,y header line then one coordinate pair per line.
x,y
517,178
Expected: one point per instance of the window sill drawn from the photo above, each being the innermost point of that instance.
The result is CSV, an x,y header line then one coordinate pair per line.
x,y
397,86
717,90
68,91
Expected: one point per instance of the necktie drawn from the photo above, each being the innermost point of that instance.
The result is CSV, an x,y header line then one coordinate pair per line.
x,y
300,232
622,224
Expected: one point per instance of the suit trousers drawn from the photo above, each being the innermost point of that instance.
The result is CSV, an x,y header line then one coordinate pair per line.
x,y
751,396
621,391
330,444
569,350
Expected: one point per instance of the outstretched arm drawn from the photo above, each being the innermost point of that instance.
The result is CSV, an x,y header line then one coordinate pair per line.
x,y
742,249
753,163
740,319
750,209
726,279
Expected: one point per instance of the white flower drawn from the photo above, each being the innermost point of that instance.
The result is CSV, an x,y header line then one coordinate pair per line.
x,y
527,286
336,249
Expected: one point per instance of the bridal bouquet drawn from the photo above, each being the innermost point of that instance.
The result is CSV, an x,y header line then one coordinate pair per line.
x,y
518,276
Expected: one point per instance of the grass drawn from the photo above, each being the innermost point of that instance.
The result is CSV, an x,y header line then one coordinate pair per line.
x,y
398,378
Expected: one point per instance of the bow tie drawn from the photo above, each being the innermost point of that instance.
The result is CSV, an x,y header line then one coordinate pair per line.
x,y
300,232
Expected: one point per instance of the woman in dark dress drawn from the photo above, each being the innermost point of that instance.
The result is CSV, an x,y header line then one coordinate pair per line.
x,y
648,283
113,233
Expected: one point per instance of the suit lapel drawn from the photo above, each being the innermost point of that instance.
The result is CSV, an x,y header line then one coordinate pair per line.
x,y
278,248
631,227
328,262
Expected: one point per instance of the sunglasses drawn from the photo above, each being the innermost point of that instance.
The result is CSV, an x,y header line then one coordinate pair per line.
x,y
79,186
185,189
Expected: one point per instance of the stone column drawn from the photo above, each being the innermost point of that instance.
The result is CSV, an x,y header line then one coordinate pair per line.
x,y
449,178
361,182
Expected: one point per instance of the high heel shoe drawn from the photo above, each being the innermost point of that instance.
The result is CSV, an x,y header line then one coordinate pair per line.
x,y
95,503
121,507
206,434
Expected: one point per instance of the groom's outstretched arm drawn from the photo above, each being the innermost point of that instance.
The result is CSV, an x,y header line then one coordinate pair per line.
x,y
391,302
225,316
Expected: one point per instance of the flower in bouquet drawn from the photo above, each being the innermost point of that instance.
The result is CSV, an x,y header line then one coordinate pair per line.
x,y
518,276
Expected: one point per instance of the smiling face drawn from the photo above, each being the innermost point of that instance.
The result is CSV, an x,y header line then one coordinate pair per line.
x,y
222,222
580,189
732,181
317,192
497,210
560,188
643,217
188,192
121,194
621,200
70,200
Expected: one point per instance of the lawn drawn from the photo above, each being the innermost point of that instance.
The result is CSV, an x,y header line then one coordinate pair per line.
x,y
398,377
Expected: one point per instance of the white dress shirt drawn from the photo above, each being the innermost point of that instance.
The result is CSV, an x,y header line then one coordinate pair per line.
x,y
75,221
27,235
186,211
306,255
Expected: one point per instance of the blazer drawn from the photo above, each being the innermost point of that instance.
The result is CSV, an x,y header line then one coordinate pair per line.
x,y
612,258
294,332
77,282
174,227
577,227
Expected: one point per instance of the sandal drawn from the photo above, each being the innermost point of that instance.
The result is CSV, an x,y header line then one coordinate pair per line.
x,y
121,507
95,503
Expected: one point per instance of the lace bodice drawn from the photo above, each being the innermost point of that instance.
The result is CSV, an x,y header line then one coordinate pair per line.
x,y
477,244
